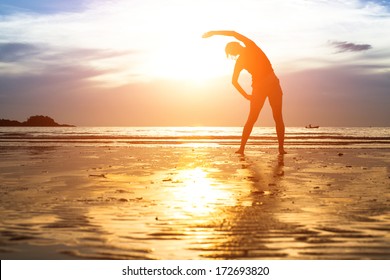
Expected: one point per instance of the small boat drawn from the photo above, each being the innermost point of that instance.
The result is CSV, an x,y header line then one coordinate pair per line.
x,y
312,126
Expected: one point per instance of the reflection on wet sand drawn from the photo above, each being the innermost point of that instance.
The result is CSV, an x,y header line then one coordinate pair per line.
x,y
248,228
191,203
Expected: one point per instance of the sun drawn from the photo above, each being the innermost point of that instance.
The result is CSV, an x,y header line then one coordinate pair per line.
x,y
166,44
191,59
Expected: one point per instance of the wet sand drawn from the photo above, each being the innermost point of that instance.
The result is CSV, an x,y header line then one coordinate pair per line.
x,y
177,202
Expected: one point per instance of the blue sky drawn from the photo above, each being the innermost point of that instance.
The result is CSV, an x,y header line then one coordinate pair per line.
x,y
130,62
41,6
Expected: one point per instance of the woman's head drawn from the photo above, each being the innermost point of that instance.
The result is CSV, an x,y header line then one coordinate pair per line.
x,y
233,49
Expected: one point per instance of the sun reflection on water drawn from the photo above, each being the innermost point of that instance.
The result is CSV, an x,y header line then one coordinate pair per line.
x,y
198,195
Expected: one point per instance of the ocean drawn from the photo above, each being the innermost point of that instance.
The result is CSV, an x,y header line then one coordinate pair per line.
x,y
296,137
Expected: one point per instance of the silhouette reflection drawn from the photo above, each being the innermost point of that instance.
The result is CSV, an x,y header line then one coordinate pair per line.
x,y
218,219
250,229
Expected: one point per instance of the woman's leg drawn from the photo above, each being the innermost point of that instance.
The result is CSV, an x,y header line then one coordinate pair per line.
x,y
256,105
275,100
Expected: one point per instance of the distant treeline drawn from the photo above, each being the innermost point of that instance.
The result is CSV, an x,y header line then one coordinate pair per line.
x,y
33,121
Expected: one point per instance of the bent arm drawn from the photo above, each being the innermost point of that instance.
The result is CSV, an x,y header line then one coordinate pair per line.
x,y
236,84
234,34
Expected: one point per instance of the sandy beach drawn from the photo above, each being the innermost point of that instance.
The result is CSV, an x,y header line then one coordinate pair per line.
x,y
183,202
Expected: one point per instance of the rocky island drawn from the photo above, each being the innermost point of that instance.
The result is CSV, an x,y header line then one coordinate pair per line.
x,y
33,121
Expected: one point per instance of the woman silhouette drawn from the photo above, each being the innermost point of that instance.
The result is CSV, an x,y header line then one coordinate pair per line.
x,y
264,83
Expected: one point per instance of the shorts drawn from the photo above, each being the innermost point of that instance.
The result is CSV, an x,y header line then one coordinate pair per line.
x,y
267,86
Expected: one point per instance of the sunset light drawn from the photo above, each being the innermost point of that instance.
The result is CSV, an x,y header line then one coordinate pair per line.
x,y
189,59
89,51
198,193
226,136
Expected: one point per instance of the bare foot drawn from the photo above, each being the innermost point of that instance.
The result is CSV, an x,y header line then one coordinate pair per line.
x,y
241,152
282,151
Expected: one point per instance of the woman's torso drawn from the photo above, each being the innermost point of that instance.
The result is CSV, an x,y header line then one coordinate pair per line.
x,y
256,63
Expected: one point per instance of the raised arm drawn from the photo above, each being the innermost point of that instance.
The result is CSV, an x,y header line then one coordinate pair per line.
x,y
234,34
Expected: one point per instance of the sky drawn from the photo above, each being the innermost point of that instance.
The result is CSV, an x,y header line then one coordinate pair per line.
x,y
144,63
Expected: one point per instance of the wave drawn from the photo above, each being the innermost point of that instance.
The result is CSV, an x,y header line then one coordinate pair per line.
x,y
362,137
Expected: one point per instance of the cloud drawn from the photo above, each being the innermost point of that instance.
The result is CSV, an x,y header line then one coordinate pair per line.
x,y
341,95
349,47
22,60
13,52
385,4
41,6
57,77
57,55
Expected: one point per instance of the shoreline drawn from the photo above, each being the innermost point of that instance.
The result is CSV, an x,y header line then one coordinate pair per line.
x,y
263,137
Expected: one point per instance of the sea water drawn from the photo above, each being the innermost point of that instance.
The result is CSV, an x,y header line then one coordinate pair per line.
x,y
296,137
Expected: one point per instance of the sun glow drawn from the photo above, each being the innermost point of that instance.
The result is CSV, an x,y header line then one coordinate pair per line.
x,y
165,44
191,59
199,193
